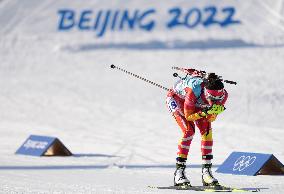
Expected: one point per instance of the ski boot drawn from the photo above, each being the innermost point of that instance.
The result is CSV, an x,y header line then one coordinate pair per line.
x,y
180,178
207,177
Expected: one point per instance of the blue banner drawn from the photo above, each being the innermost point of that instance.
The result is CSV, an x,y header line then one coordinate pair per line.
x,y
244,163
105,21
36,145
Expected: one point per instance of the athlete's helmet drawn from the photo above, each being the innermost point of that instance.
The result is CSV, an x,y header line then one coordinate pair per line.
x,y
214,88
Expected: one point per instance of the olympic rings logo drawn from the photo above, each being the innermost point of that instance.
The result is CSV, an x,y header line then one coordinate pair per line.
x,y
243,162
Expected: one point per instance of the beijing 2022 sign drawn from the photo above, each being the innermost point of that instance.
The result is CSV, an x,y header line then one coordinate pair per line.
x,y
103,21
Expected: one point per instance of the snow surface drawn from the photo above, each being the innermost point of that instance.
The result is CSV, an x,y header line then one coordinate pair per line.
x,y
118,127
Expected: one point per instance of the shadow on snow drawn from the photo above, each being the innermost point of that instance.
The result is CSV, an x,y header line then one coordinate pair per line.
x,y
171,45
88,167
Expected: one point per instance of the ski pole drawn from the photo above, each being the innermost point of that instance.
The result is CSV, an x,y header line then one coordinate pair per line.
x,y
203,73
139,77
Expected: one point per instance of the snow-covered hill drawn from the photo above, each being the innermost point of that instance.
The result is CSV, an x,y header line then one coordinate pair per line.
x,y
57,82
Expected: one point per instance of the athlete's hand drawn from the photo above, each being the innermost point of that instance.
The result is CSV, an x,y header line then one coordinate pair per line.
x,y
214,109
207,112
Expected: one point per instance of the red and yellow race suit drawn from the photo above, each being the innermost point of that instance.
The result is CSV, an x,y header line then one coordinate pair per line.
x,y
185,101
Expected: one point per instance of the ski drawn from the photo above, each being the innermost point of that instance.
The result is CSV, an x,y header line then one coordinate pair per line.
x,y
207,188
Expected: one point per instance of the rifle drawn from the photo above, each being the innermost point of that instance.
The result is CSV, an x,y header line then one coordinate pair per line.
x,y
201,74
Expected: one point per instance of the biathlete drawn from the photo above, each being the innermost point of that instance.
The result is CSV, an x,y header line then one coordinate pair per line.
x,y
195,101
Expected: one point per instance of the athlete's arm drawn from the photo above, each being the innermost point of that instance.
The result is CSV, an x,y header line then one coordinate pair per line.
x,y
189,106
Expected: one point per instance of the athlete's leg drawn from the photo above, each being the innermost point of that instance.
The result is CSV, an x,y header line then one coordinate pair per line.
x,y
206,149
188,130
206,140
